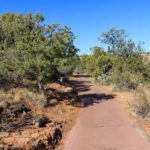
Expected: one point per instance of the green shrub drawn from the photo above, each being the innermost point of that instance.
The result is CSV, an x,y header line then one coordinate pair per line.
x,y
126,80
30,49
66,70
103,65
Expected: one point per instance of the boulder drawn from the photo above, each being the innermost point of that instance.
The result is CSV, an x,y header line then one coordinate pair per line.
x,y
41,122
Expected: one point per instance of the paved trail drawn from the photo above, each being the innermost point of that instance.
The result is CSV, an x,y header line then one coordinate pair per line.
x,y
103,123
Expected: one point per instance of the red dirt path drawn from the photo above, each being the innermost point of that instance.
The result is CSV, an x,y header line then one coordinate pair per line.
x,y
103,123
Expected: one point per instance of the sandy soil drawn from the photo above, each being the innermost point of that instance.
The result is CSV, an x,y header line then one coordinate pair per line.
x,y
26,135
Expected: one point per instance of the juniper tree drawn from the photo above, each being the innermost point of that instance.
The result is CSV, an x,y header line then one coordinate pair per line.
x,y
31,49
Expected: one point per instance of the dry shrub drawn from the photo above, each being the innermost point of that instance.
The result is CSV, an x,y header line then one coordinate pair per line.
x,y
17,95
141,103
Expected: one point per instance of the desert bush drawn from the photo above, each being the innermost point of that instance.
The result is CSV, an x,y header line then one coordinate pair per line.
x,y
87,64
126,80
141,103
103,65
104,79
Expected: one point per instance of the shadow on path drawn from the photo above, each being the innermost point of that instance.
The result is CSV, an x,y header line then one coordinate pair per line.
x,y
91,99
88,94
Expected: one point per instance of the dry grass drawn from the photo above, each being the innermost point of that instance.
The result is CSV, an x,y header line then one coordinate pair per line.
x,y
140,105
62,112
17,95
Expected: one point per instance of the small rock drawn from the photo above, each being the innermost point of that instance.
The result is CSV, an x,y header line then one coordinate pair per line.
x,y
4,134
53,102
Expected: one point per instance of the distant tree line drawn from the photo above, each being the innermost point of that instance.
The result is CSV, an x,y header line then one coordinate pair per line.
x,y
120,64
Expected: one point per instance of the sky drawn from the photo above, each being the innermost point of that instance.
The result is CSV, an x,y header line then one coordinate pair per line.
x,y
88,19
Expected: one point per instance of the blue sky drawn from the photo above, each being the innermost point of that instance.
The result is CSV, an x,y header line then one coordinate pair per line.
x,y
89,18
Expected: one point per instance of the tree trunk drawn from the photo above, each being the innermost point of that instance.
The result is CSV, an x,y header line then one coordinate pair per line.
x,y
40,87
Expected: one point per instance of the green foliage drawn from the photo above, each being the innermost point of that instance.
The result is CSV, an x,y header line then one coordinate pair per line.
x,y
85,63
122,64
88,63
103,65
97,51
33,50
119,43
125,80
67,66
